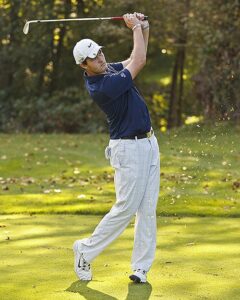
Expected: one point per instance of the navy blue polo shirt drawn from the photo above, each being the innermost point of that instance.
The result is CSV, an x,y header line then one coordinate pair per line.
x,y
115,94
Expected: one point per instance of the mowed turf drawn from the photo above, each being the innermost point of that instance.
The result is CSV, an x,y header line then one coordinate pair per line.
x,y
196,258
60,173
65,176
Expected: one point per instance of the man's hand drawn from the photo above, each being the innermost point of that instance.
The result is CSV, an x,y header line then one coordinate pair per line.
x,y
131,20
140,17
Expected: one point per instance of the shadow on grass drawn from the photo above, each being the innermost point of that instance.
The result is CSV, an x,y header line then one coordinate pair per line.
x,y
196,258
88,293
141,291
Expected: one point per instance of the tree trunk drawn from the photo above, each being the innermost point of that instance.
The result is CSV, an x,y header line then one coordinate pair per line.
x,y
181,85
13,62
45,57
177,85
173,94
57,50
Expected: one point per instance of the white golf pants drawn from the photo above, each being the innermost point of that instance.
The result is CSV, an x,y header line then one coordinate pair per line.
x,y
137,178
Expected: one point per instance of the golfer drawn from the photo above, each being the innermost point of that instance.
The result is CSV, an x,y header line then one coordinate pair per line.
x,y
133,152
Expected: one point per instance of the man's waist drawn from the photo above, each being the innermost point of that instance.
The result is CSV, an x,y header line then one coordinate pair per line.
x,y
139,136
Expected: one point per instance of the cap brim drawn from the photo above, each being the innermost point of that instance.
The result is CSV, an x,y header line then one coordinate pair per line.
x,y
94,52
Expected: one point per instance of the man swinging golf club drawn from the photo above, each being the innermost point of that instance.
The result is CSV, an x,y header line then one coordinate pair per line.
x,y
133,152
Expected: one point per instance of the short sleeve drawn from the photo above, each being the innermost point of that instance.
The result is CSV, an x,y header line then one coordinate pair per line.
x,y
117,66
116,84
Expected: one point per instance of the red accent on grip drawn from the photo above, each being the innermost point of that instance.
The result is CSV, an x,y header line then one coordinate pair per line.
x,y
117,18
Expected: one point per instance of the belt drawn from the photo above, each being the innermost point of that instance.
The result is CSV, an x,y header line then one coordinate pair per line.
x,y
138,136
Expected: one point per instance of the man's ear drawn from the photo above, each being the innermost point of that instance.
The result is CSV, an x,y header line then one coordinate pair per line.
x,y
83,66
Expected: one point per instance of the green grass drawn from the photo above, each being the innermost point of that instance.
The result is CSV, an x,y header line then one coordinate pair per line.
x,y
59,173
64,176
196,258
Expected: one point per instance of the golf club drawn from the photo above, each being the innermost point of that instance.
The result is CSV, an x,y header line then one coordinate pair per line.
x,y
27,24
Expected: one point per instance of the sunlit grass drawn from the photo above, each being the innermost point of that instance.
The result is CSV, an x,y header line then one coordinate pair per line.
x,y
69,174
196,258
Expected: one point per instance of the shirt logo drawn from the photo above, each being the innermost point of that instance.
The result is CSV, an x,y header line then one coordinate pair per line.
x,y
89,45
123,75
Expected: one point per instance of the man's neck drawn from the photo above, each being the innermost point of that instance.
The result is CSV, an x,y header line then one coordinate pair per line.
x,y
94,74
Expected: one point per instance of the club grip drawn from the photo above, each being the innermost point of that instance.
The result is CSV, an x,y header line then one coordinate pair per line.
x,y
121,18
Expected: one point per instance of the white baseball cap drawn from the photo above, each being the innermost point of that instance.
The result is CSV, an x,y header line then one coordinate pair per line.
x,y
85,48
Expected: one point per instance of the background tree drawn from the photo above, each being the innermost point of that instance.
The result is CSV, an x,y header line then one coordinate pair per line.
x,y
192,69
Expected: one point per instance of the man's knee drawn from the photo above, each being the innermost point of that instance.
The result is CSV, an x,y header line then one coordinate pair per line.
x,y
124,209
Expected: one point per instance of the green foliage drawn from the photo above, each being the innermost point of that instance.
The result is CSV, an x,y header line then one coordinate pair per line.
x,y
70,111
218,53
158,107
40,66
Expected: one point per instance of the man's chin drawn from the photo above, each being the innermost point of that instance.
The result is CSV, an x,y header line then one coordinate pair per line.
x,y
105,67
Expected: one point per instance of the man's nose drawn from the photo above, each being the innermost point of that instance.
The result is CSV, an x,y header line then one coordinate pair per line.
x,y
100,58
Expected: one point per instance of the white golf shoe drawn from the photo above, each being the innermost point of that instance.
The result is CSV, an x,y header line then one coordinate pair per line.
x,y
81,267
139,276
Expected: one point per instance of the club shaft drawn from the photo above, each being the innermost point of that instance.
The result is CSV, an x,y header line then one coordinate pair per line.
x,y
67,20
78,19
27,24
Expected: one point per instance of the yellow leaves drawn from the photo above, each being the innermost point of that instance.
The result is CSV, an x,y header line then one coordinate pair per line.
x,y
165,80
159,102
4,5
99,2
56,36
74,2
193,119
5,41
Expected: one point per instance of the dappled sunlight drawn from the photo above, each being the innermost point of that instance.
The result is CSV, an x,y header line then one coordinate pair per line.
x,y
193,119
69,173
165,80
195,258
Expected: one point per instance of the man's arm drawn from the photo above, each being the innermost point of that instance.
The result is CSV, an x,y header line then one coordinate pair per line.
x,y
145,32
126,62
138,56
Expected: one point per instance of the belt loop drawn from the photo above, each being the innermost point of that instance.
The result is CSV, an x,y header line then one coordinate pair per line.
x,y
136,138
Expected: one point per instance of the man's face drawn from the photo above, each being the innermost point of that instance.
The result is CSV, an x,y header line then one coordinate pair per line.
x,y
96,65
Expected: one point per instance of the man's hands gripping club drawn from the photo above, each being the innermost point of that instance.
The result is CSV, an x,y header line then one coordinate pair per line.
x,y
132,20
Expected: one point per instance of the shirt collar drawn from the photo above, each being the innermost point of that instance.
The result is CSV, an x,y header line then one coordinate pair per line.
x,y
92,79
95,78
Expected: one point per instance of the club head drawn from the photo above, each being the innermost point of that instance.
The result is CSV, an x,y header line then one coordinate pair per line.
x,y
26,28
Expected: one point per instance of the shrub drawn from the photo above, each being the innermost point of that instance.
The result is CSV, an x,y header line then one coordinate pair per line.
x,y
70,111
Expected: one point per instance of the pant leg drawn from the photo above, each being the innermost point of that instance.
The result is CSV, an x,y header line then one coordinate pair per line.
x,y
130,160
145,222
